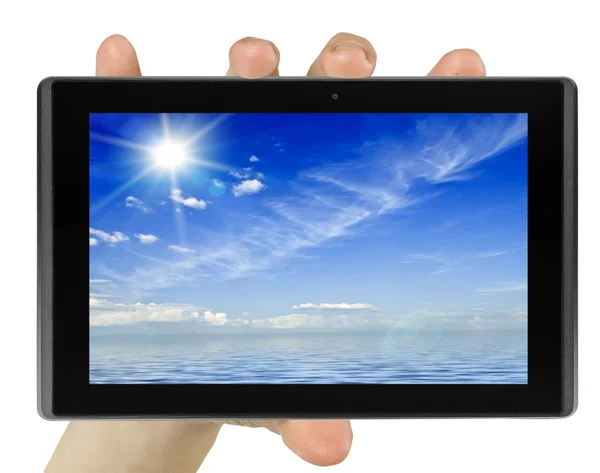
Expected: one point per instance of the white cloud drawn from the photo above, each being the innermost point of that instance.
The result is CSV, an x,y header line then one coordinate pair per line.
x,y
104,312
115,237
180,249
238,175
107,313
338,306
312,321
254,159
291,321
93,241
511,288
190,201
260,175
219,318
146,239
250,186
248,169
100,281
218,182
136,203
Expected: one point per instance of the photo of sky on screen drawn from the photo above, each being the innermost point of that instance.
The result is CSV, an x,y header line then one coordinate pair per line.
x,y
308,248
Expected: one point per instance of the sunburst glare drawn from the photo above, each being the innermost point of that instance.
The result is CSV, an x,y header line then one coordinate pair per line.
x,y
170,155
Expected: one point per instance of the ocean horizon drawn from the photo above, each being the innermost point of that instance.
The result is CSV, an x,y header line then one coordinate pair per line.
x,y
290,357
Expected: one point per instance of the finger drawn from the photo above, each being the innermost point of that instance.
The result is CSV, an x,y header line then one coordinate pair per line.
x,y
460,62
345,55
320,442
116,57
253,58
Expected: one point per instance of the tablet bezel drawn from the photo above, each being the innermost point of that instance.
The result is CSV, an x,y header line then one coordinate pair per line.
x,y
63,139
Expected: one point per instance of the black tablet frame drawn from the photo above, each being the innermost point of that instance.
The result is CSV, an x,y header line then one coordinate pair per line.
x,y
63,255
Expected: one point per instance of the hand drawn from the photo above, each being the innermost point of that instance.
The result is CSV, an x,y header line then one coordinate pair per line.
x,y
181,446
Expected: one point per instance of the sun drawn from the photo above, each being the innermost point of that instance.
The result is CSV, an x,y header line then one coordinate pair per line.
x,y
170,155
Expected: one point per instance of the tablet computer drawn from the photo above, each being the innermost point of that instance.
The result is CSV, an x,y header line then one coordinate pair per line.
x,y
290,248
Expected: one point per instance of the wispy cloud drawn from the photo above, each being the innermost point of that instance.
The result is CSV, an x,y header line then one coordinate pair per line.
x,y
180,249
146,239
97,295
446,262
157,275
134,202
506,288
444,226
254,159
100,281
248,187
331,202
93,242
189,201
439,259
452,155
335,306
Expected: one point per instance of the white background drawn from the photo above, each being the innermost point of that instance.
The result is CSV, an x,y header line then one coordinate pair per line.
x,y
172,37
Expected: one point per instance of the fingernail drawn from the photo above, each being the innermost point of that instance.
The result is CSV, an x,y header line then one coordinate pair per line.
x,y
350,46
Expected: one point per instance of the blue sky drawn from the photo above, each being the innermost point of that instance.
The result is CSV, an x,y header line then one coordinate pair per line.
x,y
307,221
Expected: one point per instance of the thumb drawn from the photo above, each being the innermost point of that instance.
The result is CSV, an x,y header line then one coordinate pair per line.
x,y
320,442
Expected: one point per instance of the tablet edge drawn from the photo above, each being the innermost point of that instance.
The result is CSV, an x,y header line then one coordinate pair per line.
x,y
569,360
44,250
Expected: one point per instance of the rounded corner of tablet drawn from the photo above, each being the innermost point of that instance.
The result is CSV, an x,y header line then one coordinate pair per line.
x,y
568,84
46,84
46,412
569,409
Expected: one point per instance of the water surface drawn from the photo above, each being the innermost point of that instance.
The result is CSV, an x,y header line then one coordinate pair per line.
x,y
455,357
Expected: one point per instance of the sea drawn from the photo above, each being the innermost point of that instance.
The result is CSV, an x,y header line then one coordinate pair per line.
x,y
289,357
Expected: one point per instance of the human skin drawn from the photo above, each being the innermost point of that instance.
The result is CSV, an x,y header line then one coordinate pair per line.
x,y
181,446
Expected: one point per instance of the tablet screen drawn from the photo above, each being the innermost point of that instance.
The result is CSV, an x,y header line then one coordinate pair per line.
x,y
297,248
